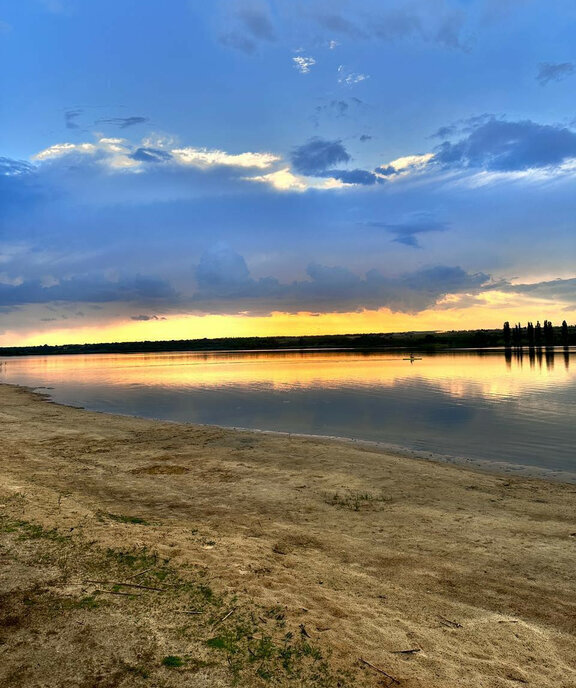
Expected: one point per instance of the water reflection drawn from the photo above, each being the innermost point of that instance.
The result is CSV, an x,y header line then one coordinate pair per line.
x,y
512,405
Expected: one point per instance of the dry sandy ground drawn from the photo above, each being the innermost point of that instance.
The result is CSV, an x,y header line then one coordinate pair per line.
x,y
376,554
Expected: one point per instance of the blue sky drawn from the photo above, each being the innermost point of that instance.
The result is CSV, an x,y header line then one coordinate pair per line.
x,y
256,166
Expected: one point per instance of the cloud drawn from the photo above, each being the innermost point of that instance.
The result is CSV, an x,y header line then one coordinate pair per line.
x,y
558,290
340,24
407,230
348,77
146,318
409,164
124,122
15,168
365,137
257,22
339,107
120,155
549,71
87,288
357,176
303,64
226,286
205,157
508,146
317,155
69,118
434,22
234,39
151,155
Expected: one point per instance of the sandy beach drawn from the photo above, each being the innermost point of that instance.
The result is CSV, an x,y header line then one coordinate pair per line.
x,y
438,575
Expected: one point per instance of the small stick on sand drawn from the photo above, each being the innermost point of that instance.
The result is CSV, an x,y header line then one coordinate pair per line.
x,y
406,652
141,573
446,622
114,592
126,585
380,671
224,618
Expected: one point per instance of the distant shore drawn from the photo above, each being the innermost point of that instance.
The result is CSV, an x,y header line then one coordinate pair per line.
x,y
440,575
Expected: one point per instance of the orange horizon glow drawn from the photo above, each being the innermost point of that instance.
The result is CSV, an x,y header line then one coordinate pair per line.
x,y
494,310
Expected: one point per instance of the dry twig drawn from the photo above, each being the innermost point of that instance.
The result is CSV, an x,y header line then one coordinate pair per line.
x,y
380,671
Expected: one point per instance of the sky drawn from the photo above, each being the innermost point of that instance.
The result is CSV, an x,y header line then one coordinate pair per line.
x,y
190,169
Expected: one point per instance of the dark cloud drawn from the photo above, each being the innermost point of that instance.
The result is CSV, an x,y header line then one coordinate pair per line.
x,y
549,71
18,186
146,318
221,270
69,118
444,132
317,155
225,286
90,288
357,176
257,22
550,290
15,168
151,155
124,122
365,137
236,40
508,146
339,24
339,107
397,24
449,33
388,171
407,231
444,26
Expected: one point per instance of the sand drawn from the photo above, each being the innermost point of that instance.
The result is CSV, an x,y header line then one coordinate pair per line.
x,y
441,575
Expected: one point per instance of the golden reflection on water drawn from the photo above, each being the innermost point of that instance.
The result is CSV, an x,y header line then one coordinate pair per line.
x,y
490,375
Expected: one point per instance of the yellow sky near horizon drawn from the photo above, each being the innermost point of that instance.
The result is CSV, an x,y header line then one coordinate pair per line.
x,y
489,312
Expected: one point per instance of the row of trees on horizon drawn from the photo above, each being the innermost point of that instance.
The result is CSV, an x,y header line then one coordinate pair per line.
x,y
536,335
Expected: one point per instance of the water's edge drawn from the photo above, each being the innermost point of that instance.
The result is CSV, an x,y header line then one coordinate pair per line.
x,y
502,468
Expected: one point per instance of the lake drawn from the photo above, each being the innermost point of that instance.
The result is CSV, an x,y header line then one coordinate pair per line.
x,y
466,405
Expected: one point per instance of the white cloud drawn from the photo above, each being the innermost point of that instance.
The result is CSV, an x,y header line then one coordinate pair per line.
x,y
60,149
349,77
303,64
119,154
285,180
204,157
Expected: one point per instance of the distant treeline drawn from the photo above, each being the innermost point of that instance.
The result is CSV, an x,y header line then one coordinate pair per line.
x,y
536,336
418,340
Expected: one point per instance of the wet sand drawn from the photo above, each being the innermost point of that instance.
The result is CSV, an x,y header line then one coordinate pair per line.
x,y
377,554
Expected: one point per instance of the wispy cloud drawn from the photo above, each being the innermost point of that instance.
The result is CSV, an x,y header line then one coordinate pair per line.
x,y
124,122
348,77
303,64
406,230
70,117
550,71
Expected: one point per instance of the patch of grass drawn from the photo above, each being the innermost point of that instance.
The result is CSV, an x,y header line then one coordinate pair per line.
x,y
355,501
33,531
136,558
253,646
119,518
173,661
88,602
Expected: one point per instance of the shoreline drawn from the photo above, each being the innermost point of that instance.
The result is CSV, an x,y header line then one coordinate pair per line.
x,y
483,465
374,553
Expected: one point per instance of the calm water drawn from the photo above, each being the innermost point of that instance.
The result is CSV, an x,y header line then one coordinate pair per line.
x,y
519,410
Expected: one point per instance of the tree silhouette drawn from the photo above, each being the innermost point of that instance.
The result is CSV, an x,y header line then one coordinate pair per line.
x,y
530,334
538,333
507,334
564,333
